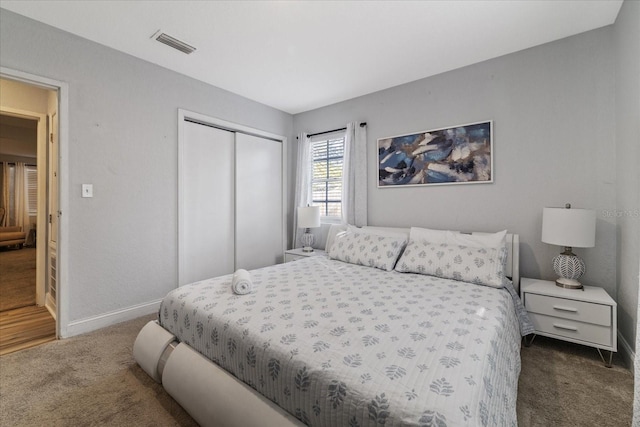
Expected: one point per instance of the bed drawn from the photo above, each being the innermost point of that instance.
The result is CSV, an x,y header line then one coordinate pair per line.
x,y
373,334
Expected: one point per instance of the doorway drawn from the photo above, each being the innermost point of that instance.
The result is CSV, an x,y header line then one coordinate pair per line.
x,y
29,167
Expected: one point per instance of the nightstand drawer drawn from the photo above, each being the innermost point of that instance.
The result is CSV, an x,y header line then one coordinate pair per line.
x,y
589,333
562,308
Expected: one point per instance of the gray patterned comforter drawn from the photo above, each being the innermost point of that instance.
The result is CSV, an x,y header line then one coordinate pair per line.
x,y
337,344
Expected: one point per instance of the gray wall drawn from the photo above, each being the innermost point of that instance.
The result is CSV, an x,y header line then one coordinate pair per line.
x,y
559,124
123,140
553,108
627,48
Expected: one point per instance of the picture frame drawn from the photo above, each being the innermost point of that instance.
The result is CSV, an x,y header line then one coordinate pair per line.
x,y
460,154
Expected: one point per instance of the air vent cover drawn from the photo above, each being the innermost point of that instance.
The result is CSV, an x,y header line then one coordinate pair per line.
x,y
173,42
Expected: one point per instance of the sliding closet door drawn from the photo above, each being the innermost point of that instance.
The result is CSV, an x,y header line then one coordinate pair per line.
x,y
259,203
207,203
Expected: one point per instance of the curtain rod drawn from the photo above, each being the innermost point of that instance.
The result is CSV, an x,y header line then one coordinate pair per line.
x,y
333,130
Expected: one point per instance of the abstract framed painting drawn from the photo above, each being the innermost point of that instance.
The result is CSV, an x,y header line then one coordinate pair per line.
x,y
453,155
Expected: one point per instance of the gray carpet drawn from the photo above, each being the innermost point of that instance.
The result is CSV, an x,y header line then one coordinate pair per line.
x,y
92,380
564,384
17,278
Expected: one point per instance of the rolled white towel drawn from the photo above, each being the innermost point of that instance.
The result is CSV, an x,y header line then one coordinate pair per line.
x,y
241,283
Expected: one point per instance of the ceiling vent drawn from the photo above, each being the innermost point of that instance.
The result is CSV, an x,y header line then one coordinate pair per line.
x,y
173,42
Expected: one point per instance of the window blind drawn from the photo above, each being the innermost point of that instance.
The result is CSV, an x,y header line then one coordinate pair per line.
x,y
326,181
31,182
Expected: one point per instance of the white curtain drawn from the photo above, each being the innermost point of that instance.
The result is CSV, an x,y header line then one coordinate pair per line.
x,y
636,362
5,193
354,175
303,183
20,197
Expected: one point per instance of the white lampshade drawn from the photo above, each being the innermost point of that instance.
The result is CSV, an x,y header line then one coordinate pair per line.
x,y
574,228
309,217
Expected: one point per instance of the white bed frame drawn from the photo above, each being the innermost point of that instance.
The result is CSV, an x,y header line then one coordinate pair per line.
x,y
211,395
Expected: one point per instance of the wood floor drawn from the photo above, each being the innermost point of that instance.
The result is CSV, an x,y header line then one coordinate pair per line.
x,y
17,278
25,327
22,323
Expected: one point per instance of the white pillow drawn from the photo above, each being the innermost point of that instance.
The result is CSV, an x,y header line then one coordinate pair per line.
x,y
333,230
478,240
380,231
356,247
429,235
482,266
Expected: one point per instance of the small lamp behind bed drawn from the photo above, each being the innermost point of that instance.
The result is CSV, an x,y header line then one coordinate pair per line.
x,y
308,217
569,228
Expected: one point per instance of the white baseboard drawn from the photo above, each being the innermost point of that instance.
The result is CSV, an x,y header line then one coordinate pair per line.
x,y
626,352
89,324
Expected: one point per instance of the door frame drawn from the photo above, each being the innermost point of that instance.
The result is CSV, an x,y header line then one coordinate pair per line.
x,y
62,88
232,127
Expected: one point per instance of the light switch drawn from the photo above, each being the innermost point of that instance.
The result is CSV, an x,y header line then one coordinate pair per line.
x,y
87,190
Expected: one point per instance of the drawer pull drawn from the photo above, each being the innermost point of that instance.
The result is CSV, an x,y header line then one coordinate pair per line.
x,y
569,309
568,328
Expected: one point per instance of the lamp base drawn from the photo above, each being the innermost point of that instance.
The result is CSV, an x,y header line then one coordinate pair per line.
x,y
307,241
568,283
570,268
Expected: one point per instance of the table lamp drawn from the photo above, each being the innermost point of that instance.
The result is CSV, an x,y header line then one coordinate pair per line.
x,y
571,228
308,217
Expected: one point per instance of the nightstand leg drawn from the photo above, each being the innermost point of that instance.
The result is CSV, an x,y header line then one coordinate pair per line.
x,y
528,344
608,365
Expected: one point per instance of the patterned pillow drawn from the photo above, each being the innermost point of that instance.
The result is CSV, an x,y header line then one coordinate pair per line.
x,y
334,229
482,266
362,248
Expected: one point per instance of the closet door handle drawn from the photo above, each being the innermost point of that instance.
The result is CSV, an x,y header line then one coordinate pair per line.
x,y
568,328
569,309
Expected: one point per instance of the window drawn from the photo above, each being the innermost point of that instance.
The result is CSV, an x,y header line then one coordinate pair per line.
x,y
327,155
31,182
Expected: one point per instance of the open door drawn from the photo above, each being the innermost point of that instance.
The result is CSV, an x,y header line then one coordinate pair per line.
x,y
52,214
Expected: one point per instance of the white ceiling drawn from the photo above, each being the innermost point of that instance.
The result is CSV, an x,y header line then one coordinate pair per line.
x,y
301,55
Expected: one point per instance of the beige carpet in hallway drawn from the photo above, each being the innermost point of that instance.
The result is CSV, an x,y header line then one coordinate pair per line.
x,y
92,380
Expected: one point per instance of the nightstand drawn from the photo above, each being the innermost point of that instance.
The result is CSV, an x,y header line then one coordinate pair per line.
x,y
584,316
295,254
